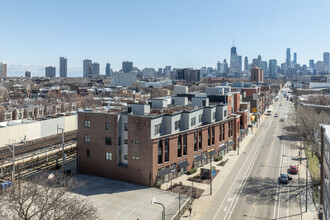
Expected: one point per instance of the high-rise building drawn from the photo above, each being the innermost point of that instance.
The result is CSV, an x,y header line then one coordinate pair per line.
x,y
96,69
255,62
50,71
233,61
226,71
87,67
294,59
3,70
188,74
311,64
27,74
167,71
108,70
326,60
319,66
63,67
246,64
273,68
160,72
259,61
239,64
288,58
264,67
127,66
257,74
218,66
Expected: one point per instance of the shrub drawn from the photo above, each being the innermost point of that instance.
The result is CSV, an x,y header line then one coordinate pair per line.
x,y
193,170
218,158
158,185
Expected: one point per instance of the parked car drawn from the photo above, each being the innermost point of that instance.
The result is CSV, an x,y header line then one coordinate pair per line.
x,y
293,169
276,115
285,178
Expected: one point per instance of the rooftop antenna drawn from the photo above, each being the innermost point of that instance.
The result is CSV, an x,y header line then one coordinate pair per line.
x,y
233,43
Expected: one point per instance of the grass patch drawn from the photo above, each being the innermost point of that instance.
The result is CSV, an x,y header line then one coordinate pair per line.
x,y
314,167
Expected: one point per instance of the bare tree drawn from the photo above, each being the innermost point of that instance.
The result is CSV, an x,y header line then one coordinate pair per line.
x,y
307,121
42,198
2,113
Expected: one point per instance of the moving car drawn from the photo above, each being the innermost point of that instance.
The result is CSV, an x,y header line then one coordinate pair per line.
x,y
293,169
285,178
276,115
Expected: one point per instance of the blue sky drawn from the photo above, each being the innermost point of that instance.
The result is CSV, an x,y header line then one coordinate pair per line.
x,y
155,33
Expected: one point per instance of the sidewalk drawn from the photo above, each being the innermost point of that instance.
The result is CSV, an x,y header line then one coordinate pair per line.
x,y
311,209
200,205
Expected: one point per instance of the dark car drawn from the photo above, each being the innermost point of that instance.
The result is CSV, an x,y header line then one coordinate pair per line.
x,y
293,169
285,178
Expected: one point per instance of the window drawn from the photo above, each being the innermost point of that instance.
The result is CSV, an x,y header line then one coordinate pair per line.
x,y
160,152
179,146
177,125
185,144
126,126
209,137
200,140
87,124
193,121
195,141
125,157
125,141
108,141
225,113
135,158
220,132
200,118
88,153
87,138
167,150
158,129
107,126
213,132
108,156
135,142
119,140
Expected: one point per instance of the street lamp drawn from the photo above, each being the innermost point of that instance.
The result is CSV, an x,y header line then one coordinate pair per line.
x,y
153,201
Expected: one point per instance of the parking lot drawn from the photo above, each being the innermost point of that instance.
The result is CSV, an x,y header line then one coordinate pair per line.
x,y
120,200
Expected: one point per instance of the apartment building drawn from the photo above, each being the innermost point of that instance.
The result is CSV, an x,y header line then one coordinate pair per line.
x,y
154,142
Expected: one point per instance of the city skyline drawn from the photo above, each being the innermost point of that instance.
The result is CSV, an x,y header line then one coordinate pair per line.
x,y
129,35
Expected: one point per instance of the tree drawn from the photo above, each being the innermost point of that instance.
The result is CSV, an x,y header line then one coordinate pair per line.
x,y
2,113
42,198
307,121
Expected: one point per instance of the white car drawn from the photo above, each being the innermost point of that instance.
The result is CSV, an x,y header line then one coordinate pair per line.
x,y
276,115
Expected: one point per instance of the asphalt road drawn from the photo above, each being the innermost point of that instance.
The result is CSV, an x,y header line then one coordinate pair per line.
x,y
255,191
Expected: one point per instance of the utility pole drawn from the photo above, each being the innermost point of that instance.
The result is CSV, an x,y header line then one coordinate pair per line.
x,y
13,169
322,172
210,174
62,130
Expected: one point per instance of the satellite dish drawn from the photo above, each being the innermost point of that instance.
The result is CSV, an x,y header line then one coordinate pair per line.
x,y
51,176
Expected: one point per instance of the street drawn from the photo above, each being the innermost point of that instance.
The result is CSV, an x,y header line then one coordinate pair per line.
x,y
255,191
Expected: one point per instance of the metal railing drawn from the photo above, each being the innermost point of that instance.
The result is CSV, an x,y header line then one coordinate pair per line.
x,y
183,209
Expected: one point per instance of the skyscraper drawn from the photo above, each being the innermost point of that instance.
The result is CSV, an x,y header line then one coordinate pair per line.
x,y
288,58
107,70
311,64
218,66
63,67
233,61
167,71
246,64
3,70
239,64
259,61
96,69
27,74
326,60
225,67
87,67
50,71
127,66
264,67
294,58
273,68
